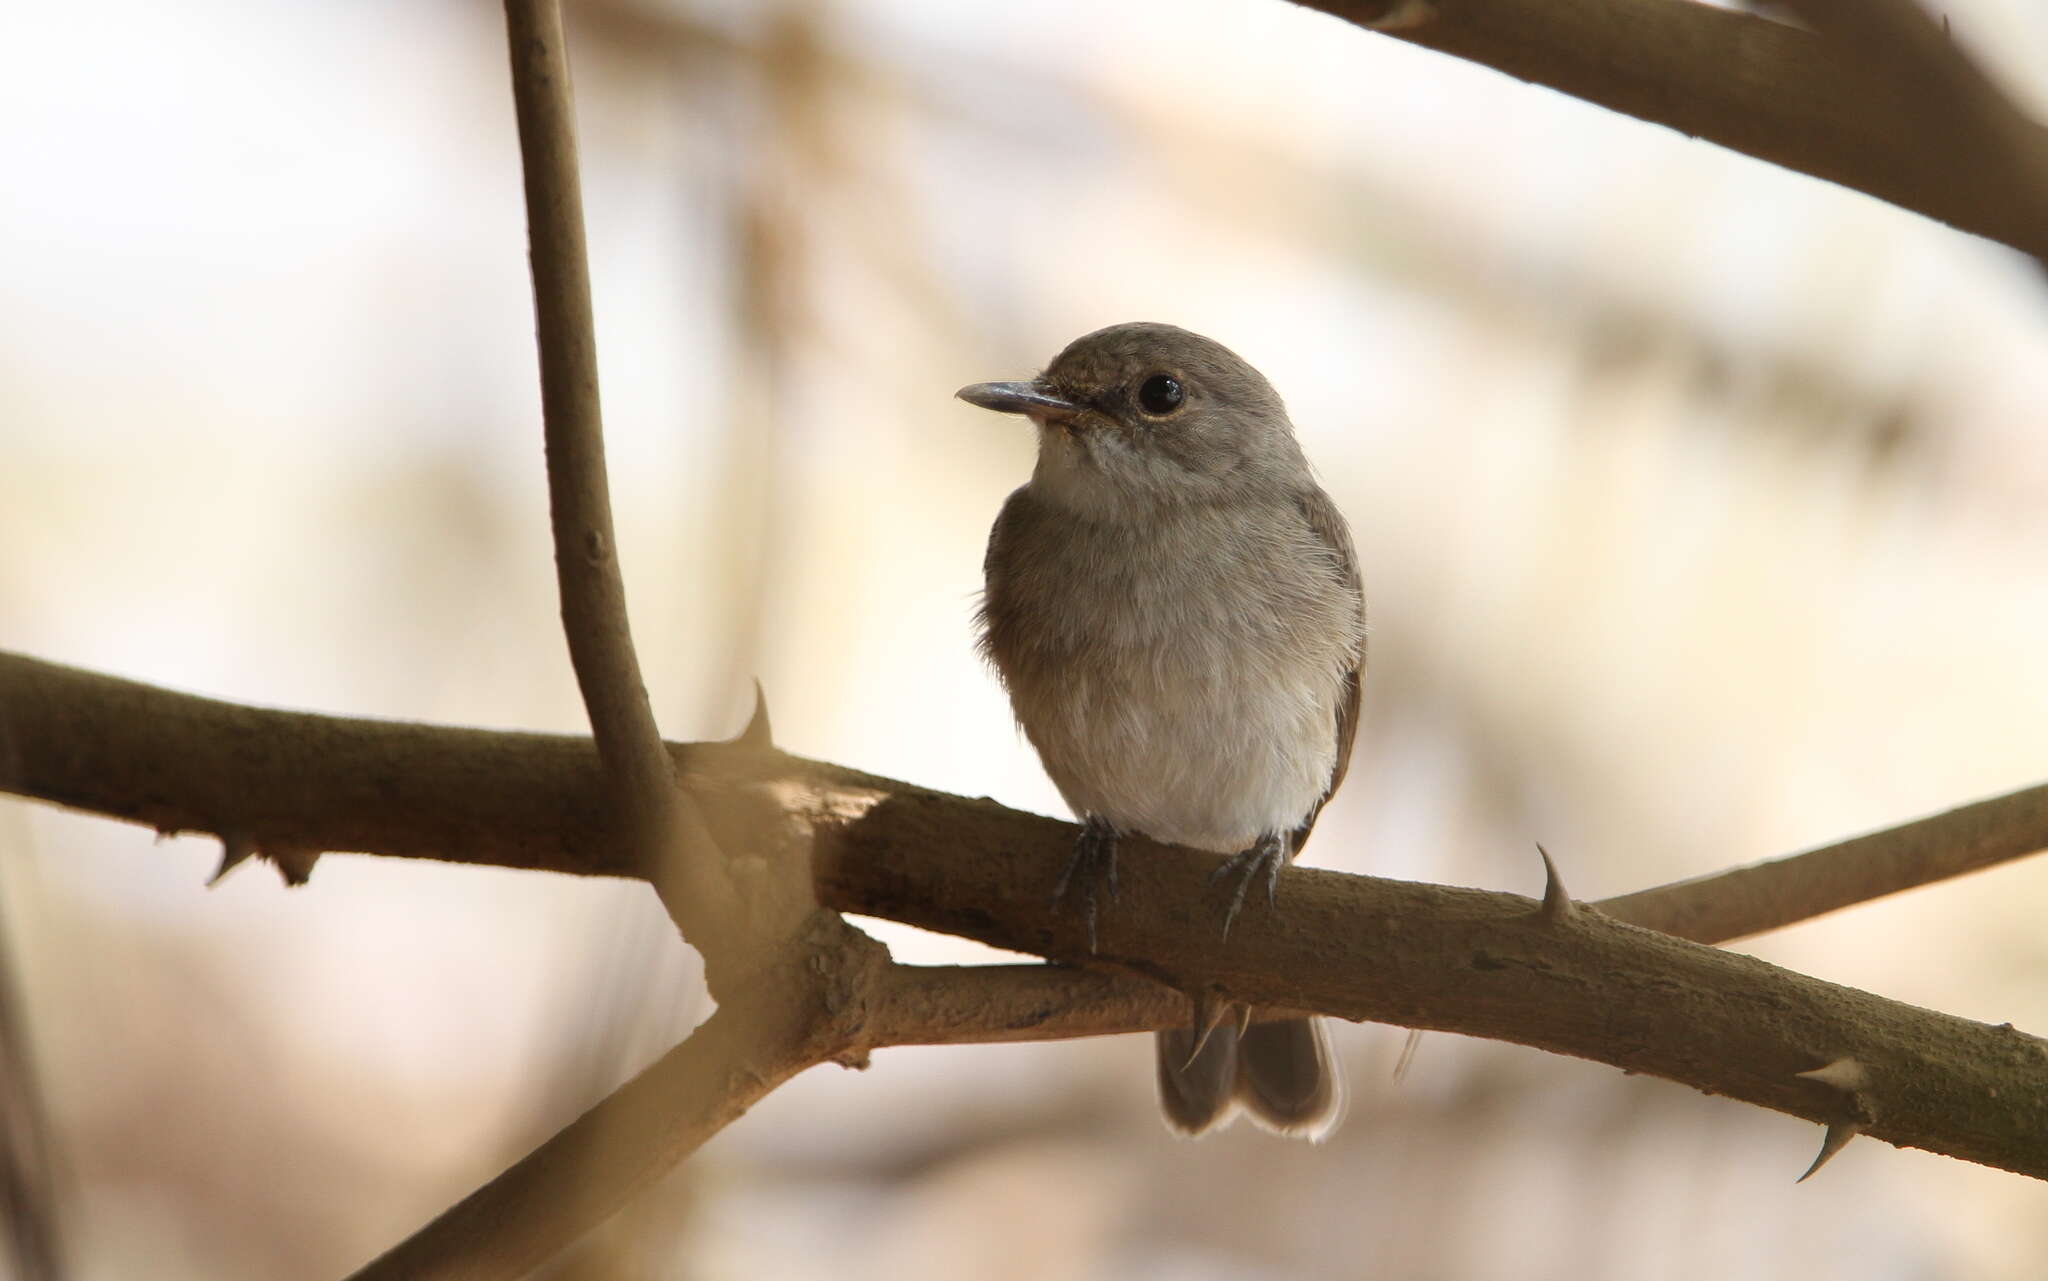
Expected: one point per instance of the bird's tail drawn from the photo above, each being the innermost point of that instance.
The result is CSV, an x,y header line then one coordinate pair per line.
x,y
1283,1073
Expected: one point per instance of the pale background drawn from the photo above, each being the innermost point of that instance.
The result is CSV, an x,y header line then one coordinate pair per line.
x,y
1703,510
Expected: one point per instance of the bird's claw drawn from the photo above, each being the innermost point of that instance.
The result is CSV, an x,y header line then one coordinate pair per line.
x,y
1092,867
1267,858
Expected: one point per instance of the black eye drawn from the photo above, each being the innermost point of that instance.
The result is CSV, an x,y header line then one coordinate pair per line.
x,y
1160,394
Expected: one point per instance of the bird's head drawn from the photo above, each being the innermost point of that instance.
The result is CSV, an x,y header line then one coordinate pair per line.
x,y
1140,415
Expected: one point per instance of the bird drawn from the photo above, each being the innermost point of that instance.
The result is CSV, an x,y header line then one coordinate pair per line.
x,y
1175,608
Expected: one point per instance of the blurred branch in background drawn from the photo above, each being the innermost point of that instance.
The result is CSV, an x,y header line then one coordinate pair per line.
x,y
1871,103
28,1176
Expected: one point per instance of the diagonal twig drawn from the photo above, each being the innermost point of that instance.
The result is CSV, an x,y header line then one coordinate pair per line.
x,y
1955,123
575,1180
1754,85
1760,897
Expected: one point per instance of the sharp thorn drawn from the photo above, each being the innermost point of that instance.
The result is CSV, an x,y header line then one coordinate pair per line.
x,y
1557,905
295,866
1403,15
235,849
1844,1074
1244,1019
1838,1136
758,735
1210,1009
1407,1052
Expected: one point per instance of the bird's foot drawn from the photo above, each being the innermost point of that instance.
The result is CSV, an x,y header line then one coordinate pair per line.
x,y
1264,859
1092,869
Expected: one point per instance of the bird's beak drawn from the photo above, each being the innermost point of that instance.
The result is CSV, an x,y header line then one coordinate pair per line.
x,y
1018,398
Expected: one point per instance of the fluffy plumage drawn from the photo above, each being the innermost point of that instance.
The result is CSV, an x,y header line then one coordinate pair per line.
x,y
1175,608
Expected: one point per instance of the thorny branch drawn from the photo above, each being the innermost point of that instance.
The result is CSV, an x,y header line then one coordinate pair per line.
x,y
800,987
791,979
1461,960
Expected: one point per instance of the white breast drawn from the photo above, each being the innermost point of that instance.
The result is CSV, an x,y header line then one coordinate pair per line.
x,y
1181,679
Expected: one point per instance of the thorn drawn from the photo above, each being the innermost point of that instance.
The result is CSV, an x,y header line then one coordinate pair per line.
x,y
1402,15
1557,905
294,865
1407,1052
1844,1074
235,849
758,735
1210,1008
1838,1136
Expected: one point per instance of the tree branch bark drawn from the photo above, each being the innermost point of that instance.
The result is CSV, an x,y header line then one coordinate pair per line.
x,y
1764,88
309,782
1357,947
791,979
797,986
656,817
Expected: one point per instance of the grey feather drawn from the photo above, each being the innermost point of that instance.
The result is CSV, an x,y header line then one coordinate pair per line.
x,y
1176,609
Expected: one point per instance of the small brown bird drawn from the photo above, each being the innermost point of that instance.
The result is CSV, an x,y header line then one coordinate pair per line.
x,y
1175,608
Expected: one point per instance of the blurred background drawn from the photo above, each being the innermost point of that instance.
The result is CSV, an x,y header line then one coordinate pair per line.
x,y
1703,508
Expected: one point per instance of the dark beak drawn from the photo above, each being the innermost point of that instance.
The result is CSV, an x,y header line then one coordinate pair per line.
x,y
1017,398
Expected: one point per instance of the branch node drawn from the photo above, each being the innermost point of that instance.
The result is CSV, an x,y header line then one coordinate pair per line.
x,y
1838,1136
294,864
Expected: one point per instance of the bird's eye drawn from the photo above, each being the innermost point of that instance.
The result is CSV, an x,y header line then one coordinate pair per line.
x,y
1160,394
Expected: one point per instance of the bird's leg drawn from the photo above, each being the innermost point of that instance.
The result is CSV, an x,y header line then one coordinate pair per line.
x,y
1265,858
1093,867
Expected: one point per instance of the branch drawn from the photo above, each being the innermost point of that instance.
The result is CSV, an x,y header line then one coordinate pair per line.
x,y
784,992
1756,86
1770,895
1357,947
586,564
657,821
1967,134
299,781
785,1018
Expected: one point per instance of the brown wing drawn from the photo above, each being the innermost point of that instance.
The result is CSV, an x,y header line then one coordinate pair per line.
x,y
1328,525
